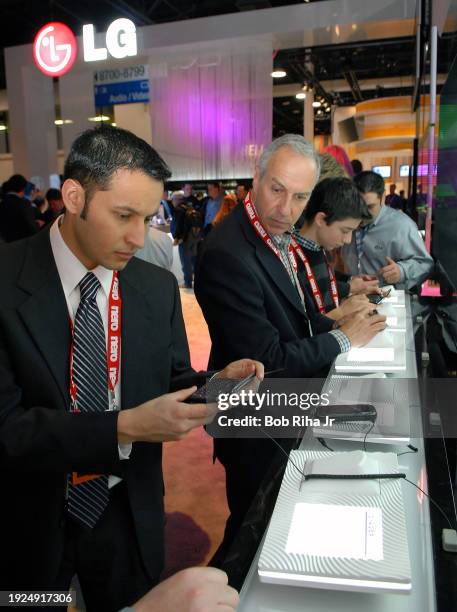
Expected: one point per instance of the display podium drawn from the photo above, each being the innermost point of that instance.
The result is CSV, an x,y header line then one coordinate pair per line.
x,y
258,596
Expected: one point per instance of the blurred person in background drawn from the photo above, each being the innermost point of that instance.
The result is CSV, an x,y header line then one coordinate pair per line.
x,y
389,246
241,193
186,233
17,218
55,201
356,166
188,194
50,207
211,205
403,200
341,157
157,249
228,204
393,199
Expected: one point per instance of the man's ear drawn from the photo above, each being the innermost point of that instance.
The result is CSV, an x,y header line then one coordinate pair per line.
x,y
255,180
320,218
73,196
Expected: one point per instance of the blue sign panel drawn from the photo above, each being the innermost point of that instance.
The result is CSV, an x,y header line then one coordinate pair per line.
x,y
122,93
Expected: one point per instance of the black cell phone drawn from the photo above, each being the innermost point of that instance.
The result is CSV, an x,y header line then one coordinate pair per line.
x,y
211,390
347,412
376,298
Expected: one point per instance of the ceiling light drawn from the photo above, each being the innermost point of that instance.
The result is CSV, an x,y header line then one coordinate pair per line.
x,y
114,124
58,121
63,121
300,96
3,128
99,118
278,74
316,103
328,109
305,87
320,112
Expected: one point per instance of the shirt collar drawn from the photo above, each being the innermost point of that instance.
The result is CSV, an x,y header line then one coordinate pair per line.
x,y
307,243
70,269
373,223
282,241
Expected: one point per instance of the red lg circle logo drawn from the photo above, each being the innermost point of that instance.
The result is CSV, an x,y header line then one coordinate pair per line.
x,y
54,49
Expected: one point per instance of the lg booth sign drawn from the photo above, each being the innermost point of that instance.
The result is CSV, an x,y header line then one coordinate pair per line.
x,y
120,41
55,47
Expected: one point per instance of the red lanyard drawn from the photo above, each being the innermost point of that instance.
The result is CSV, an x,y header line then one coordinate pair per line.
x,y
312,279
113,357
264,235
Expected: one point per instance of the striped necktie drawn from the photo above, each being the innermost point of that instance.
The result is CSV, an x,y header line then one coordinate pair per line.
x,y
87,500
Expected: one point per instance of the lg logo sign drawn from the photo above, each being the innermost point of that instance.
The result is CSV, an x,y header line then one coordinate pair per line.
x,y
120,41
55,47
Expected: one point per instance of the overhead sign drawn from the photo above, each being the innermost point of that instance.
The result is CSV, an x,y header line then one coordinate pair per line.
x,y
54,49
120,41
121,85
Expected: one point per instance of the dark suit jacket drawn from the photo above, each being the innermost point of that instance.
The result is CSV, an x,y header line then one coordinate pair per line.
x,y
252,308
40,441
17,219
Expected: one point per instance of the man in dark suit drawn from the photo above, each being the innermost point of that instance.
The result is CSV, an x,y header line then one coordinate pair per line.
x,y
254,304
58,516
17,219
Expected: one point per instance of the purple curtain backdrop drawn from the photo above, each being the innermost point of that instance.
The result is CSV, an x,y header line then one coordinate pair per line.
x,y
211,106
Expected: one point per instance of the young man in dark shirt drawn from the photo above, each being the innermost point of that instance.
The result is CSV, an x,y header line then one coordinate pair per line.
x,y
335,209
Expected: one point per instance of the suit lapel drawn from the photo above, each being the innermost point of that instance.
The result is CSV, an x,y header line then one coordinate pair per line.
x,y
273,267
45,312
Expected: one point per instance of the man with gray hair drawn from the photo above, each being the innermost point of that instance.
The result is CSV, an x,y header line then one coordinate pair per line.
x,y
247,286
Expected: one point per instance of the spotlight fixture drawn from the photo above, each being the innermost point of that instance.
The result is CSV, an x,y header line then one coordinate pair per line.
x,y
2,128
327,109
316,104
278,74
300,96
320,112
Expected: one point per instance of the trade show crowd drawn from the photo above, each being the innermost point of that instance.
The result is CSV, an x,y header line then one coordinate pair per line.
x,y
94,363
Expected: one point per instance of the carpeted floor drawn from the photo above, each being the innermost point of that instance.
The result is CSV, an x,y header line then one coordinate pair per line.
x,y
194,487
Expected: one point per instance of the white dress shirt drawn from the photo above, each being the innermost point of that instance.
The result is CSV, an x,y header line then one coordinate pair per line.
x,y
71,272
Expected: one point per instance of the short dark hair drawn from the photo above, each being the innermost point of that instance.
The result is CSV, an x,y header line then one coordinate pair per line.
x,y
98,153
53,194
16,183
370,182
215,184
338,198
356,166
